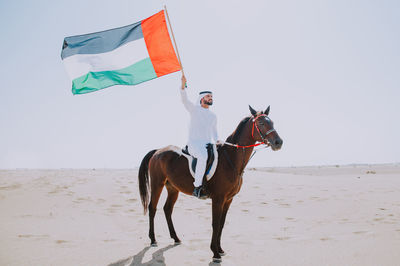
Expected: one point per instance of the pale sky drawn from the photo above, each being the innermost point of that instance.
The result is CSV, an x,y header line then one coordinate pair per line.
x,y
329,70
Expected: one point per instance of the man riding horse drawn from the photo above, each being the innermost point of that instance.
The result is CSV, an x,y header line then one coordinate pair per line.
x,y
168,166
202,131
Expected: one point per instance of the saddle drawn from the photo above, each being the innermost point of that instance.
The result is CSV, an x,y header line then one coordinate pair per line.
x,y
212,161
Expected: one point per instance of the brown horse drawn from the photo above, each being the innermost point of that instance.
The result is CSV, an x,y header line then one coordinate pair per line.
x,y
167,167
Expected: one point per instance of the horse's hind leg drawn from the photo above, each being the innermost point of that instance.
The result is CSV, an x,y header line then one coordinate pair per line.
x,y
168,207
157,185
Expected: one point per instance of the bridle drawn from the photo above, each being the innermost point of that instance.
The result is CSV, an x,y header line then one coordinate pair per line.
x,y
259,132
265,142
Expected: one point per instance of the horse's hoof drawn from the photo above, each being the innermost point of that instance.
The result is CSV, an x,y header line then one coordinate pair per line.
x,y
217,260
177,243
154,244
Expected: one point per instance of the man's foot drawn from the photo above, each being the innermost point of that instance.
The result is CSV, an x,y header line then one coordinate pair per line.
x,y
197,192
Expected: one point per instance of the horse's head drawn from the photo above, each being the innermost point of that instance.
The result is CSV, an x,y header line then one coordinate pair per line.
x,y
263,129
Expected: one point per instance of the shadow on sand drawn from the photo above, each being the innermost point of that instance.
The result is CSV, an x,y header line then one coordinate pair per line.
x,y
157,258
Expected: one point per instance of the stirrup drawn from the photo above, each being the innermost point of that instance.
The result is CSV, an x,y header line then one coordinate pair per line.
x,y
197,191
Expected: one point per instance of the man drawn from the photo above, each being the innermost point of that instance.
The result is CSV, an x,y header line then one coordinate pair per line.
x,y
202,130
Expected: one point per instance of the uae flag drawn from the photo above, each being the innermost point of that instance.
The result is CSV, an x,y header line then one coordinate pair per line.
x,y
123,56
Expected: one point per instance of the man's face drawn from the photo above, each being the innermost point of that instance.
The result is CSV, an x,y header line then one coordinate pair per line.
x,y
208,99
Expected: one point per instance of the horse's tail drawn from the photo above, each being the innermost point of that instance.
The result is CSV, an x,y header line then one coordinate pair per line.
x,y
144,180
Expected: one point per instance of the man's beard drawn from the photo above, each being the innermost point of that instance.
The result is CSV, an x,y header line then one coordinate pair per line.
x,y
208,102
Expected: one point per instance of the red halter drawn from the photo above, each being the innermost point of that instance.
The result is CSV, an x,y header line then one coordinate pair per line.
x,y
252,135
255,124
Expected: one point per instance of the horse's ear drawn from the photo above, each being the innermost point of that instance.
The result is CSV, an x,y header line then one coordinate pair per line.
x,y
252,111
266,112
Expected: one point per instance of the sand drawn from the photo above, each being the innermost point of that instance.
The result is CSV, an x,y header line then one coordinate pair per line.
x,y
330,215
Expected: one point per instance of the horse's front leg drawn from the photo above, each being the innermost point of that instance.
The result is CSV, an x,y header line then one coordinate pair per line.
x,y
225,209
217,210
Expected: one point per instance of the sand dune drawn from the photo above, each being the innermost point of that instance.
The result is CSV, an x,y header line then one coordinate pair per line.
x,y
331,215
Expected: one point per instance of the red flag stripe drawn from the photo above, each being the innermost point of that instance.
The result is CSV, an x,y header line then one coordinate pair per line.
x,y
159,45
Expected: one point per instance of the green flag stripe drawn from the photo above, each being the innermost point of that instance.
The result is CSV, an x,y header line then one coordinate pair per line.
x,y
137,73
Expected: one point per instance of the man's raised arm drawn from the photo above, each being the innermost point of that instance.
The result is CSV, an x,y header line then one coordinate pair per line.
x,y
188,104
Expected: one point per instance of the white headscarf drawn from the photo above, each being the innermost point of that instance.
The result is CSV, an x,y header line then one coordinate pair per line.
x,y
202,95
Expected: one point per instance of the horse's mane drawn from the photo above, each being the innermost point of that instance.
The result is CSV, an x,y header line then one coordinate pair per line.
x,y
234,137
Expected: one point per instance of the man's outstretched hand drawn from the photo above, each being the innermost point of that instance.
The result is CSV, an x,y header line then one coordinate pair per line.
x,y
183,82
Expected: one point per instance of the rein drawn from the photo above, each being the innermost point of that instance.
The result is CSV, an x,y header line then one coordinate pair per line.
x,y
248,146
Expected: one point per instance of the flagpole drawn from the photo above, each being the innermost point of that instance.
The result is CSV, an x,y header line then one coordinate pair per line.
x,y
173,37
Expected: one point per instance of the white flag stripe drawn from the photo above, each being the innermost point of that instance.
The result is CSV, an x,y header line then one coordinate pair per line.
x,y
124,56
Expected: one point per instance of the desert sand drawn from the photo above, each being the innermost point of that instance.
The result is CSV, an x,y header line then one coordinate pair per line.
x,y
327,215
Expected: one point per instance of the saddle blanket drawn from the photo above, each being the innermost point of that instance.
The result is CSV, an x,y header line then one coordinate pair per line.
x,y
212,160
